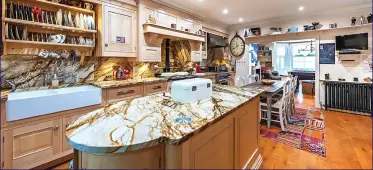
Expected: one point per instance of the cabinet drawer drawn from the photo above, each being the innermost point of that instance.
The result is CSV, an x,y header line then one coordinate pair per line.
x,y
121,93
151,54
28,144
155,88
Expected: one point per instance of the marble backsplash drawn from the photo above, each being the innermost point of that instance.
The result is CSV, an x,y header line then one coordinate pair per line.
x,y
32,71
29,71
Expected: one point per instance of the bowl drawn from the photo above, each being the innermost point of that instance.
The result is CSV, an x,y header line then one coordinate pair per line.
x,y
267,82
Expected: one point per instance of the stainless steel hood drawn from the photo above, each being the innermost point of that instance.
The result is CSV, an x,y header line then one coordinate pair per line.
x,y
215,41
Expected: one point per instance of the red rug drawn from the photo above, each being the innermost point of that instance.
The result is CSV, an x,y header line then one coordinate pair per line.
x,y
305,131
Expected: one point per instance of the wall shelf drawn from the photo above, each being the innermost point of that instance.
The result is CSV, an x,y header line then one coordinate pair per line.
x,y
49,26
161,31
262,39
37,43
58,5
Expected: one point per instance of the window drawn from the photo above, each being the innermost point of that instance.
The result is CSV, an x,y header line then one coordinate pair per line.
x,y
303,58
292,56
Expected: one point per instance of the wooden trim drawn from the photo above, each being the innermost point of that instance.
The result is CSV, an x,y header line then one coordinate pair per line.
x,y
170,32
51,161
297,35
37,43
49,26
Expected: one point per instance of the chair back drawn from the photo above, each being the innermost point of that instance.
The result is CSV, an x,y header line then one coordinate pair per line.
x,y
240,81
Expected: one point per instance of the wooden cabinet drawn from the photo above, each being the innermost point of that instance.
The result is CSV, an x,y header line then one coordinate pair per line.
x,y
196,56
28,144
65,123
154,88
119,31
122,93
214,147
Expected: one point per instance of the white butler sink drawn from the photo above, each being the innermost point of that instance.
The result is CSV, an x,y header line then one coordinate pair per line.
x,y
21,105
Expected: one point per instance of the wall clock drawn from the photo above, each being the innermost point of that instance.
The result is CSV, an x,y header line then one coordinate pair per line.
x,y
237,46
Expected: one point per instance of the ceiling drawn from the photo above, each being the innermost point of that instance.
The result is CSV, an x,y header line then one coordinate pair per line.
x,y
257,10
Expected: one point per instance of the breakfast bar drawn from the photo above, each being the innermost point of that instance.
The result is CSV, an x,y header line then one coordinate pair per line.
x,y
221,131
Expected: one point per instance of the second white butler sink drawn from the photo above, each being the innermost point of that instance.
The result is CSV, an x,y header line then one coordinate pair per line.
x,y
21,105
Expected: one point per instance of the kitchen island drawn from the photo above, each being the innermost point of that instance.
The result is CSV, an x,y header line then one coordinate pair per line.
x,y
221,131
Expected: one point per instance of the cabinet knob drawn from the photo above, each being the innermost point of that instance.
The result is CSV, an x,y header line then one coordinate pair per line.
x,y
56,127
67,124
106,45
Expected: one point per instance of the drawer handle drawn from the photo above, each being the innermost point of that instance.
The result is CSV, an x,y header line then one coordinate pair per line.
x,y
56,127
157,87
126,92
106,45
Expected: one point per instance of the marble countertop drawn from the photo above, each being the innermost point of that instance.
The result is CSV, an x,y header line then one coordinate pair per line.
x,y
100,84
147,121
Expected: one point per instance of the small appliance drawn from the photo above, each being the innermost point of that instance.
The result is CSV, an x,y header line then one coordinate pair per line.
x,y
191,90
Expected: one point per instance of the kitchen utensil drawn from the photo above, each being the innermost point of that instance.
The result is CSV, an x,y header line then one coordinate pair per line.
x,y
24,34
81,20
87,5
85,22
77,20
17,33
43,53
65,54
69,18
6,31
63,37
20,12
65,20
59,17
81,40
43,16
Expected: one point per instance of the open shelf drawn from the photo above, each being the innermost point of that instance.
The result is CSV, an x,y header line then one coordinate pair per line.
x,y
57,5
158,30
37,43
261,39
49,26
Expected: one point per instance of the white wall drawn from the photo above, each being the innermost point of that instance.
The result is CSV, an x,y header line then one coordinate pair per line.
x,y
343,18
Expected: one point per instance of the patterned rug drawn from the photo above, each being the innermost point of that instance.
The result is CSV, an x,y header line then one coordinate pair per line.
x,y
305,131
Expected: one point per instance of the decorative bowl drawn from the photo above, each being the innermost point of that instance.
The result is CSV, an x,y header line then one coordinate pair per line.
x,y
267,82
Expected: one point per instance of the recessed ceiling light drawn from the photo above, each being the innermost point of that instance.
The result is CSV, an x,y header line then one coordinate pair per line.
x,y
225,11
200,0
240,19
301,8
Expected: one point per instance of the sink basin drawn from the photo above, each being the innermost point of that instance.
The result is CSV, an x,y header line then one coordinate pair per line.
x,y
21,105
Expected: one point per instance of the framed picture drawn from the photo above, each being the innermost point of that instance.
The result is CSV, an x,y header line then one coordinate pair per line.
x,y
255,31
327,53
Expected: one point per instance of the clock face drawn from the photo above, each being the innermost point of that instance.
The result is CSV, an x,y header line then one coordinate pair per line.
x,y
237,46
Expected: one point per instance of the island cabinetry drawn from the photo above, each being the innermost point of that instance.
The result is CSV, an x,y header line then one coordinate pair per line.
x,y
154,88
231,142
66,121
26,145
121,93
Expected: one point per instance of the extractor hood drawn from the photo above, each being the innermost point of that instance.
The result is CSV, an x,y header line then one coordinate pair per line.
x,y
215,41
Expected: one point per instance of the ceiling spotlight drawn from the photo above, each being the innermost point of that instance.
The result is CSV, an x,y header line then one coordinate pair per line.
x,y
240,19
301,8
225,11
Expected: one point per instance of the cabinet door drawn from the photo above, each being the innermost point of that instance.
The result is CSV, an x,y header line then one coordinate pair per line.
x,y
65,123
120,33
196,56
31,143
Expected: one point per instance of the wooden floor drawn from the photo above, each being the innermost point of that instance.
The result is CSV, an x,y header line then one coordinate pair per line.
x,y
348,140
348,144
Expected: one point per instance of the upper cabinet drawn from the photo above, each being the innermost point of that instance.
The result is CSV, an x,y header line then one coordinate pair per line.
x,y
118,32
